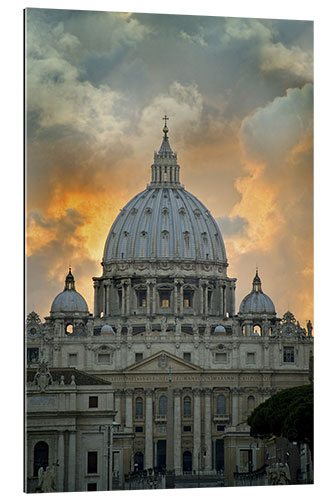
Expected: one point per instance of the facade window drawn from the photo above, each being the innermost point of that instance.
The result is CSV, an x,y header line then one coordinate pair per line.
x,y
220,428
220,404
250,404
288,355
138,461
188,299
32,355
187,428
139,428
187,357
139,407
165,299
221,357
120,297
92,462
187,406
72,359
93,401
104,358
163,405
250,358
142,298
92,487
41,456
138,356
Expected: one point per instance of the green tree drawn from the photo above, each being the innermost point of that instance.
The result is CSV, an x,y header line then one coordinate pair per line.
x,y
289,413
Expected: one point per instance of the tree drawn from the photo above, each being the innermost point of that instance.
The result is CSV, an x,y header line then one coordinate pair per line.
x,y
289,413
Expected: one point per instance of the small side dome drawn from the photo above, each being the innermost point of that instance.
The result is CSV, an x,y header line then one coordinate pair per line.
x,y
69,301
219,329
257,301
107,330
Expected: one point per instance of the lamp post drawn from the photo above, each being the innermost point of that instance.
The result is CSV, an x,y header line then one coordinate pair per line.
x,y
109,429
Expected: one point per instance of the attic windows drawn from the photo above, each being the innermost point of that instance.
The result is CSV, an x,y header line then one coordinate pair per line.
x,y
188,299
142,298
93,402
288,354
165,298
187,357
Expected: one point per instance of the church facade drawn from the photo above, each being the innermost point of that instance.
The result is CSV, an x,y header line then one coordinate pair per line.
x,y
183,368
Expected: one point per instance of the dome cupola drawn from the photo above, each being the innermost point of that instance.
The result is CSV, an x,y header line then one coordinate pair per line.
x,y
257,302
69,300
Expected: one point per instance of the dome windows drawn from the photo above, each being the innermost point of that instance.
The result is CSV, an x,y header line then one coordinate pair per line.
x,y
165,211
148,211
182,211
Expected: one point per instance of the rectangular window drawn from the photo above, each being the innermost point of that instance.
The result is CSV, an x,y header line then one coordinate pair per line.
x,y
187,357
220,428
142,298
92,487
139,428
250,358
187,299
72,359
92,462
221,357
93,401
32,355
165,299
104,358
138,356
288,355
187,428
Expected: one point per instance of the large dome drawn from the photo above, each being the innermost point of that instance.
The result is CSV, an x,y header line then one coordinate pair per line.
x,y
69,301
257,302
164,221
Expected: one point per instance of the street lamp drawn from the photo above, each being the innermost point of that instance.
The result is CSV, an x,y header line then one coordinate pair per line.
x,y
109,429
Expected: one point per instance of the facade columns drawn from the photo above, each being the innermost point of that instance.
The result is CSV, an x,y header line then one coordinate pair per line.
x,y
96,289
148,297
233,288
129,408
176,298
201,298
208,430
154,295
234,406
123,298
107,298
61,461
196,430
117,405
181,305
177,432
128,298
71,461
148,457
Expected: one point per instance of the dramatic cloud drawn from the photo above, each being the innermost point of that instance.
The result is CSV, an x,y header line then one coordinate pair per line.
x,y
277,196
239,96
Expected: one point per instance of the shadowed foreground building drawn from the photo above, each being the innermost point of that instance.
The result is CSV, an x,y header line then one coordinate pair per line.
x,y
179,371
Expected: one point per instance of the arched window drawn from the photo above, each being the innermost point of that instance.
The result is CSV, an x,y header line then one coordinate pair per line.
x,y
220,404
250,404
139,407
69,329
138,461
257,330
41,456
187,406
163,405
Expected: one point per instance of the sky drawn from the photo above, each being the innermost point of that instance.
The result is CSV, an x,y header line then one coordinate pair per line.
x,y
239,96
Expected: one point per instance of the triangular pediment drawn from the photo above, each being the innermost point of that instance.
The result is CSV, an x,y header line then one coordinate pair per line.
x,y
163,362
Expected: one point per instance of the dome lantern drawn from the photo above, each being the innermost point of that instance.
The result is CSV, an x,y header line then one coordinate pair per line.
x,y
165,170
